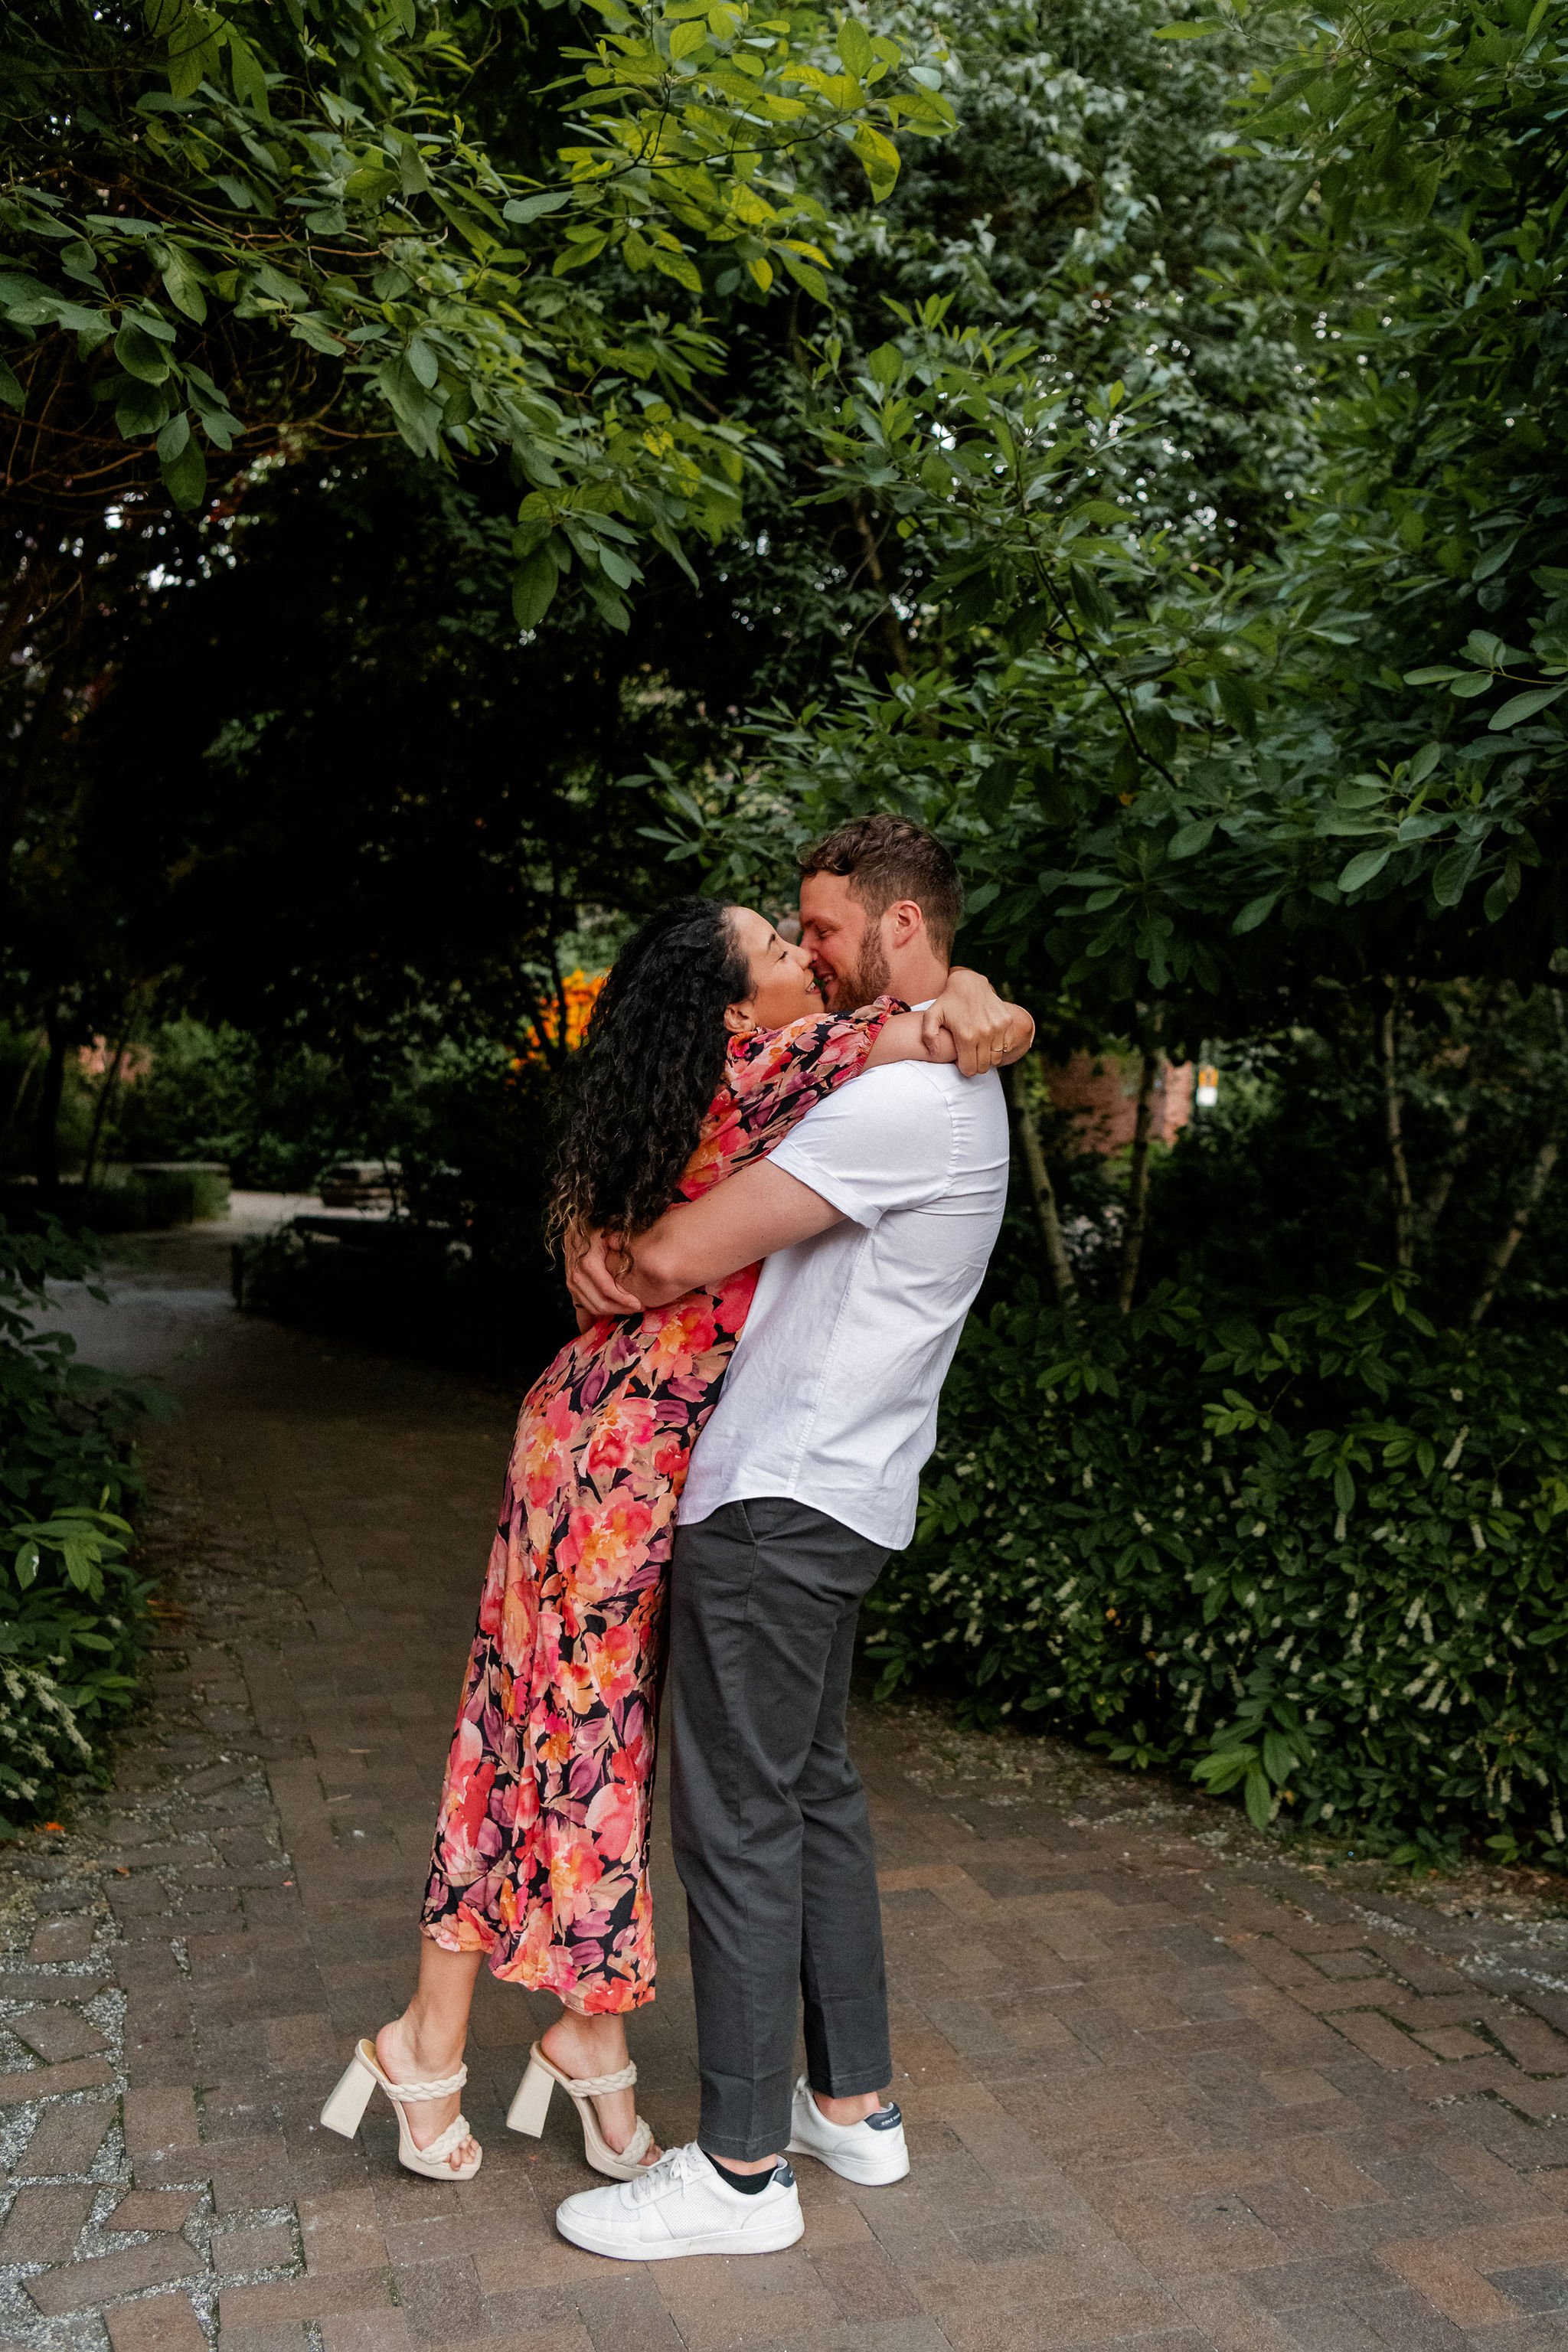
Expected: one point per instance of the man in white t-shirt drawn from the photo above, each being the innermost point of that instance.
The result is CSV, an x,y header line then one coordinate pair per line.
x,y
876,1216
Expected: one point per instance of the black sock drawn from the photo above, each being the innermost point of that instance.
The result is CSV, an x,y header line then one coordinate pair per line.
x,y
750,2184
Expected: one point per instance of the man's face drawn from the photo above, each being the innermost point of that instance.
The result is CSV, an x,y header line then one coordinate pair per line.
x,y
844,944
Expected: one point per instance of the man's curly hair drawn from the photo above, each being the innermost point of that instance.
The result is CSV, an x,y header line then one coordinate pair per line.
x,y
648,1069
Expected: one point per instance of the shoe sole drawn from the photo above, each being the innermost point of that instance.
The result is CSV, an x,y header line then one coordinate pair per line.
x,y
848,2167
722,2242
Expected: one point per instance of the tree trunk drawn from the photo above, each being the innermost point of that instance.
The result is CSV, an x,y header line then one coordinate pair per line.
x,y
1137,1223
1529,1202
1442,1182
1042,1191
47,1125
1394,1113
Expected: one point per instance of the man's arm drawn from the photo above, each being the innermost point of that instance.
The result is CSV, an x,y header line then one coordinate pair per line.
x,y
748,1216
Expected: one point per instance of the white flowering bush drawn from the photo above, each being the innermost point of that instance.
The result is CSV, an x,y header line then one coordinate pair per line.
x,y
1322,1561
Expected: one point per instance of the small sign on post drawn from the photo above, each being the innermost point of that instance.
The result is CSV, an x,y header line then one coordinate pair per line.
x,y
1208,1086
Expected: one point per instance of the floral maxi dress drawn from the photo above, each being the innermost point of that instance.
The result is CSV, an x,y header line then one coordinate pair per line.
x,y
541,1851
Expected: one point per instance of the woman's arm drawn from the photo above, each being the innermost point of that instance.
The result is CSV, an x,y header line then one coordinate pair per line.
x,y
968,1023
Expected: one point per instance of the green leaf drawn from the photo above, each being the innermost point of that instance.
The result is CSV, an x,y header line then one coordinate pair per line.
x,y
577,254
687,39
1473,682
618,567
855,49
140,355
1453,873
880,158
805,275
684,271
1091,598
26,1564
1257,911
1278,1758
140,407
182,285
11,391
1494,559
1192,837
1197,30
1366,867
533,589
1520,707
174,437
186,475
1438,676
1259,1797
605,598
244,70
531,208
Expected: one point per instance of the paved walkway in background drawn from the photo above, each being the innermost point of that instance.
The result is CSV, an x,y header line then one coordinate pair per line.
x,y
1158,2097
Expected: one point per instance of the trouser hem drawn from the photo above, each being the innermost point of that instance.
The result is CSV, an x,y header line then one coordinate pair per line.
x,y
846,2082
740,2151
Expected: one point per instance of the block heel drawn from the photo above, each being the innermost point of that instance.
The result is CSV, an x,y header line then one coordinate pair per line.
x,y
532,2105
344,2112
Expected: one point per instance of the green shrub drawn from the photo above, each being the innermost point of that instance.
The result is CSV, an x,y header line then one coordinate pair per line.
x,y
144,1200
1322,1561
74,1615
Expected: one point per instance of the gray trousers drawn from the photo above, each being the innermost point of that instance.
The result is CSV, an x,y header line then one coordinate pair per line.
x,y
771,1840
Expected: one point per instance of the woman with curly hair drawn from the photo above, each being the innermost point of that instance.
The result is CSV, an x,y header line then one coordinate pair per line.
x,y
708,1042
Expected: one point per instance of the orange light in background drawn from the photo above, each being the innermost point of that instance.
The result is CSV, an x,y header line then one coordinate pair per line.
x,y
1208,1086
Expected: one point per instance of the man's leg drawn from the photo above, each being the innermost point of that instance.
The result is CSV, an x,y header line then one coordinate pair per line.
x,y
760,1595
842,1976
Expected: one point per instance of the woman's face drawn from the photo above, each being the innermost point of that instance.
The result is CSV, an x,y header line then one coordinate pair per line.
x,y
784,988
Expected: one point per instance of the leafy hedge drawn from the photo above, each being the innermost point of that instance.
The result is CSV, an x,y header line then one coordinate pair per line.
x,y
1323,1560
74,1613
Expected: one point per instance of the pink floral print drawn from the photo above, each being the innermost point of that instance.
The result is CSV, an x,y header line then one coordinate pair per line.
x,y
541,1853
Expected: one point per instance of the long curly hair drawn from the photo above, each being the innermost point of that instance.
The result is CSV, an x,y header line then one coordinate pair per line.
x,y
647,1069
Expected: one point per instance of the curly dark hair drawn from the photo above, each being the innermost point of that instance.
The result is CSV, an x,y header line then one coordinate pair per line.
x,y
648,1069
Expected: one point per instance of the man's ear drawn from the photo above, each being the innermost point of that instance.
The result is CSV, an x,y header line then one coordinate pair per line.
x,y
905,919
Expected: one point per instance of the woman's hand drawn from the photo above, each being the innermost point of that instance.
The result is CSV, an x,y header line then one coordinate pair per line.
x,y
593,1286
987,1033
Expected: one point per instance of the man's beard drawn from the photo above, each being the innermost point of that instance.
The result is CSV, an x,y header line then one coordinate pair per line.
x,y
865,980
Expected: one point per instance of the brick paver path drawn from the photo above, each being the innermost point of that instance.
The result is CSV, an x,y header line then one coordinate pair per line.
x,y
1155,2098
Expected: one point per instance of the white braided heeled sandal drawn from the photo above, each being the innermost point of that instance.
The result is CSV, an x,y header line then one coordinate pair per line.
x,y
344,2111
532,2105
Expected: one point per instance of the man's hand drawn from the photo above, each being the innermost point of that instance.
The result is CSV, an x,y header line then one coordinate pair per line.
x,y
986,1031
591,1280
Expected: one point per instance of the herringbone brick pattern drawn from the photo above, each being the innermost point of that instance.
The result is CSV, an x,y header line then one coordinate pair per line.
x,y
1157,2097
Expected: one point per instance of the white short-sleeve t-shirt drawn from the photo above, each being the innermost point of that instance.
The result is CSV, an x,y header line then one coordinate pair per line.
x,y
831,1395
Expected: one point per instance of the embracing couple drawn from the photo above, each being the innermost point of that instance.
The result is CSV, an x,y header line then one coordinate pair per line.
x,y
782,1172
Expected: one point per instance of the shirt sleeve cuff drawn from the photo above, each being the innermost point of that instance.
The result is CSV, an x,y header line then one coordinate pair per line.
x,y
832,1188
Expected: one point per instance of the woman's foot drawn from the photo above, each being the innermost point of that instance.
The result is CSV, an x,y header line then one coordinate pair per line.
x,y
597,2045
404,2058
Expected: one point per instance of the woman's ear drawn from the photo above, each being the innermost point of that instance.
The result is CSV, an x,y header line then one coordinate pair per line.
x,y
738,1018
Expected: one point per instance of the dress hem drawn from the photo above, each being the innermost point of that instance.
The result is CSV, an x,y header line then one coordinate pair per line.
x,y
638,1995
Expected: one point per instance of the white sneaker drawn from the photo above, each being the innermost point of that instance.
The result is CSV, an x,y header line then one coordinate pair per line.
x,y
874,2151
683,2205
